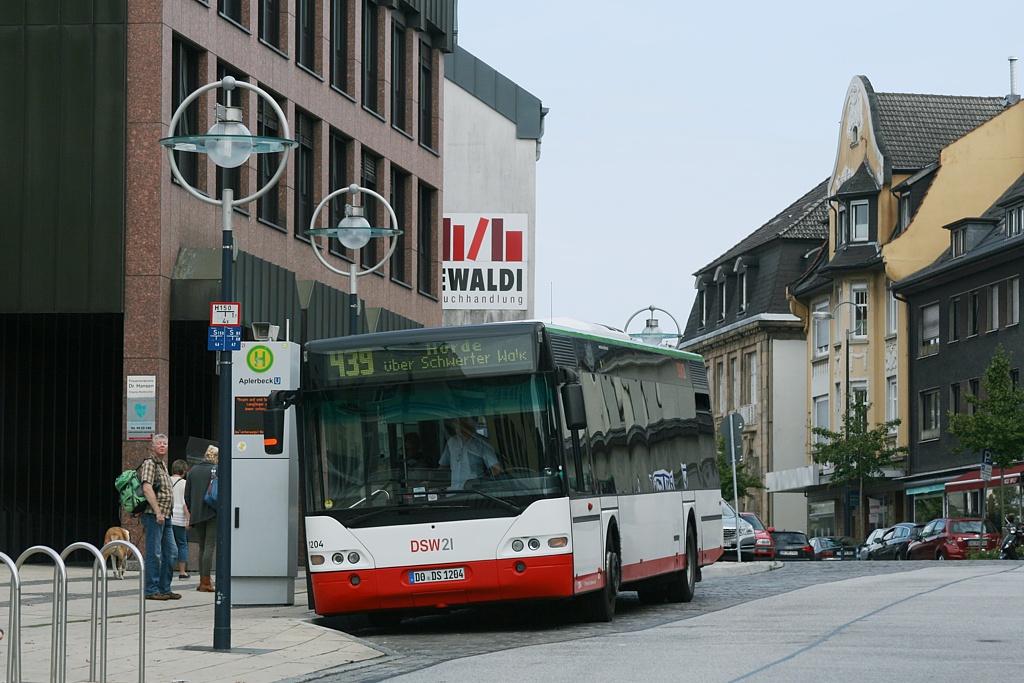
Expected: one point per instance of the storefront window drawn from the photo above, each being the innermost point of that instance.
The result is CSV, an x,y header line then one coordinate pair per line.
x,y
821,519
927,507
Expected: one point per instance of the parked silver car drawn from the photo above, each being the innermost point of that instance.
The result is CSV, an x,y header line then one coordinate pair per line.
x,y
746,533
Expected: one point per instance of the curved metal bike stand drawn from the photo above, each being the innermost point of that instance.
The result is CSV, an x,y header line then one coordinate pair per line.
x,y
142,602
58,630
98,611
13,622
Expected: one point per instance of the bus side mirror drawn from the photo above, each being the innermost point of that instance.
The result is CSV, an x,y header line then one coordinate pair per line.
x,y
273,420
572,404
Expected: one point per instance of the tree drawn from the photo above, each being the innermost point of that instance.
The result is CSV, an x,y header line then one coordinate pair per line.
x,y
996,423
744,480
857,454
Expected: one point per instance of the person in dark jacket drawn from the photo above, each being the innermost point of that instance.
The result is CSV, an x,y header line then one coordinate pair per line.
x,y
202,517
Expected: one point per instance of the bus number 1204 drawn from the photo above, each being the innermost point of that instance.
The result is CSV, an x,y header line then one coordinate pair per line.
x,y
432,575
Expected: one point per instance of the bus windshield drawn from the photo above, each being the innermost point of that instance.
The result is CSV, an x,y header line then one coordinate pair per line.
x,y
482,442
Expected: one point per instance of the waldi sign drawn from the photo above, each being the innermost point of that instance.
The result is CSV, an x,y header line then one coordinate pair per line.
x,y
485,261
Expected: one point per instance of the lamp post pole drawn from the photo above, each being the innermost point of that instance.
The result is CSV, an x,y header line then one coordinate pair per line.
x,y
229,143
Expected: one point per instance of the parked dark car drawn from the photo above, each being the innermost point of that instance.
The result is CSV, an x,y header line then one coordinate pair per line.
x,y
764,546
835,548
872,542
895,541
950,539
792,545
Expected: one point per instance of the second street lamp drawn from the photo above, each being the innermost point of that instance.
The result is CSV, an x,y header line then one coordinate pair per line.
x,y
652,334
355,232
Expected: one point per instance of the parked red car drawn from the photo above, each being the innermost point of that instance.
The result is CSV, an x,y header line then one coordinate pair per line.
x,y
950,539
764,546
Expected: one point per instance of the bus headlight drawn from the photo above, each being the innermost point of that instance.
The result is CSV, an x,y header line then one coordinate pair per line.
x,y
338,558
517,545
558,542
353,557
534,544
317,560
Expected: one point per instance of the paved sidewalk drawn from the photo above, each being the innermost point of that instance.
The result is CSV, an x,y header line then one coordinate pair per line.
x,y
268,643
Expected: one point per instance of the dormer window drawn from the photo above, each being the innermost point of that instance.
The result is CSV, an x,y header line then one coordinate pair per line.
x,y
721,299
859,221
904,211
741,289
842,230
960,242
1014,220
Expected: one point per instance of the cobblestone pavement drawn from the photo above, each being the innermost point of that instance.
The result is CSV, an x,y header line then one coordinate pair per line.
x,y
422,641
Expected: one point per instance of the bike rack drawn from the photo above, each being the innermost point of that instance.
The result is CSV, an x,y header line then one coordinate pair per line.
x,y
13,624
98,620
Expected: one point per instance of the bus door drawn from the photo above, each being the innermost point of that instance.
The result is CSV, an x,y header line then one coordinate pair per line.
x,y
584,499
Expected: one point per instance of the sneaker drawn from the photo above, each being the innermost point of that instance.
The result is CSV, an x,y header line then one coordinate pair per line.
x,y
172,596
184,576
158,596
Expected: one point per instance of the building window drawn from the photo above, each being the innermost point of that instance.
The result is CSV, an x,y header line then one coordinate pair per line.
x,y
820,417
955,406
720,383
722,299
929,329
231,9
339,45
974,389
270,22
892,406
426,132
750,386
268,205
371,163
959,238
891,312
399,81
338,172
702,301
425,232
993,307
822,329
1015,377
954,319
185,68
904,211
1014,220
734,370
371,45
399,200
973,314
305,34
859,221
860,313
842,225
230,177
1013,301
929,414
304,155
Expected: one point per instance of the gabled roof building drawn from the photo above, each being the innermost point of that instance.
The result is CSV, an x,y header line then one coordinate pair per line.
x,y
754,347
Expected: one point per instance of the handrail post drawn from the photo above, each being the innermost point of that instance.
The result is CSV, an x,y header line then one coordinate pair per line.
x,y
13,622
99,604
58,644
142,601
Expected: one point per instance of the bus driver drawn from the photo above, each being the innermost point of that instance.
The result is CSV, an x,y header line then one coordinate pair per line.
x,y
468,455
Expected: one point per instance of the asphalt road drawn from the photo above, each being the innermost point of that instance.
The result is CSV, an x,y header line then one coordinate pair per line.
x,y
783,624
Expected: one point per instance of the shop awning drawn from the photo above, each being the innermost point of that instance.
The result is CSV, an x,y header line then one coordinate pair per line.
x,y
972,480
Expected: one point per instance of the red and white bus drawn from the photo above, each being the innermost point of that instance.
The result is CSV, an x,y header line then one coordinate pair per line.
x,y
457,466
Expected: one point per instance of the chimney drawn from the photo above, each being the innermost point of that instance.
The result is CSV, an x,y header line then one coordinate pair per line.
x,y
1013,97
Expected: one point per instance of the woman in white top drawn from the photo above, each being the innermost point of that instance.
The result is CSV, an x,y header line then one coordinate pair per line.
x,y
179,516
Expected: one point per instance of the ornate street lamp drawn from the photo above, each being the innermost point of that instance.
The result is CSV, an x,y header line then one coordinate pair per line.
x,y
355,232
229,144
653,334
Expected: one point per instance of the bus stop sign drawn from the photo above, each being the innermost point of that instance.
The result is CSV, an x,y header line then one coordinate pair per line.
x,y
732,433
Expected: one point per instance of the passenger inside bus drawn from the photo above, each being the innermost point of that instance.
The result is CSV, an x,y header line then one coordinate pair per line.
x,y
468,455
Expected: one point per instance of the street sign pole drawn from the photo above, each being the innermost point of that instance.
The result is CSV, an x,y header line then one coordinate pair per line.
x,y
732,435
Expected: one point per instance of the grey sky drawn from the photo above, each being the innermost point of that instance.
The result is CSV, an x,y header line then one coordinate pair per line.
x,y
678,128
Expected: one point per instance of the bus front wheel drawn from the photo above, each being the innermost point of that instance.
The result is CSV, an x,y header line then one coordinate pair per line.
x,y
684,583
600,605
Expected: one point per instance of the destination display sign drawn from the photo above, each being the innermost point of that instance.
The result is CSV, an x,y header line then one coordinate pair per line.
x,y
428,360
